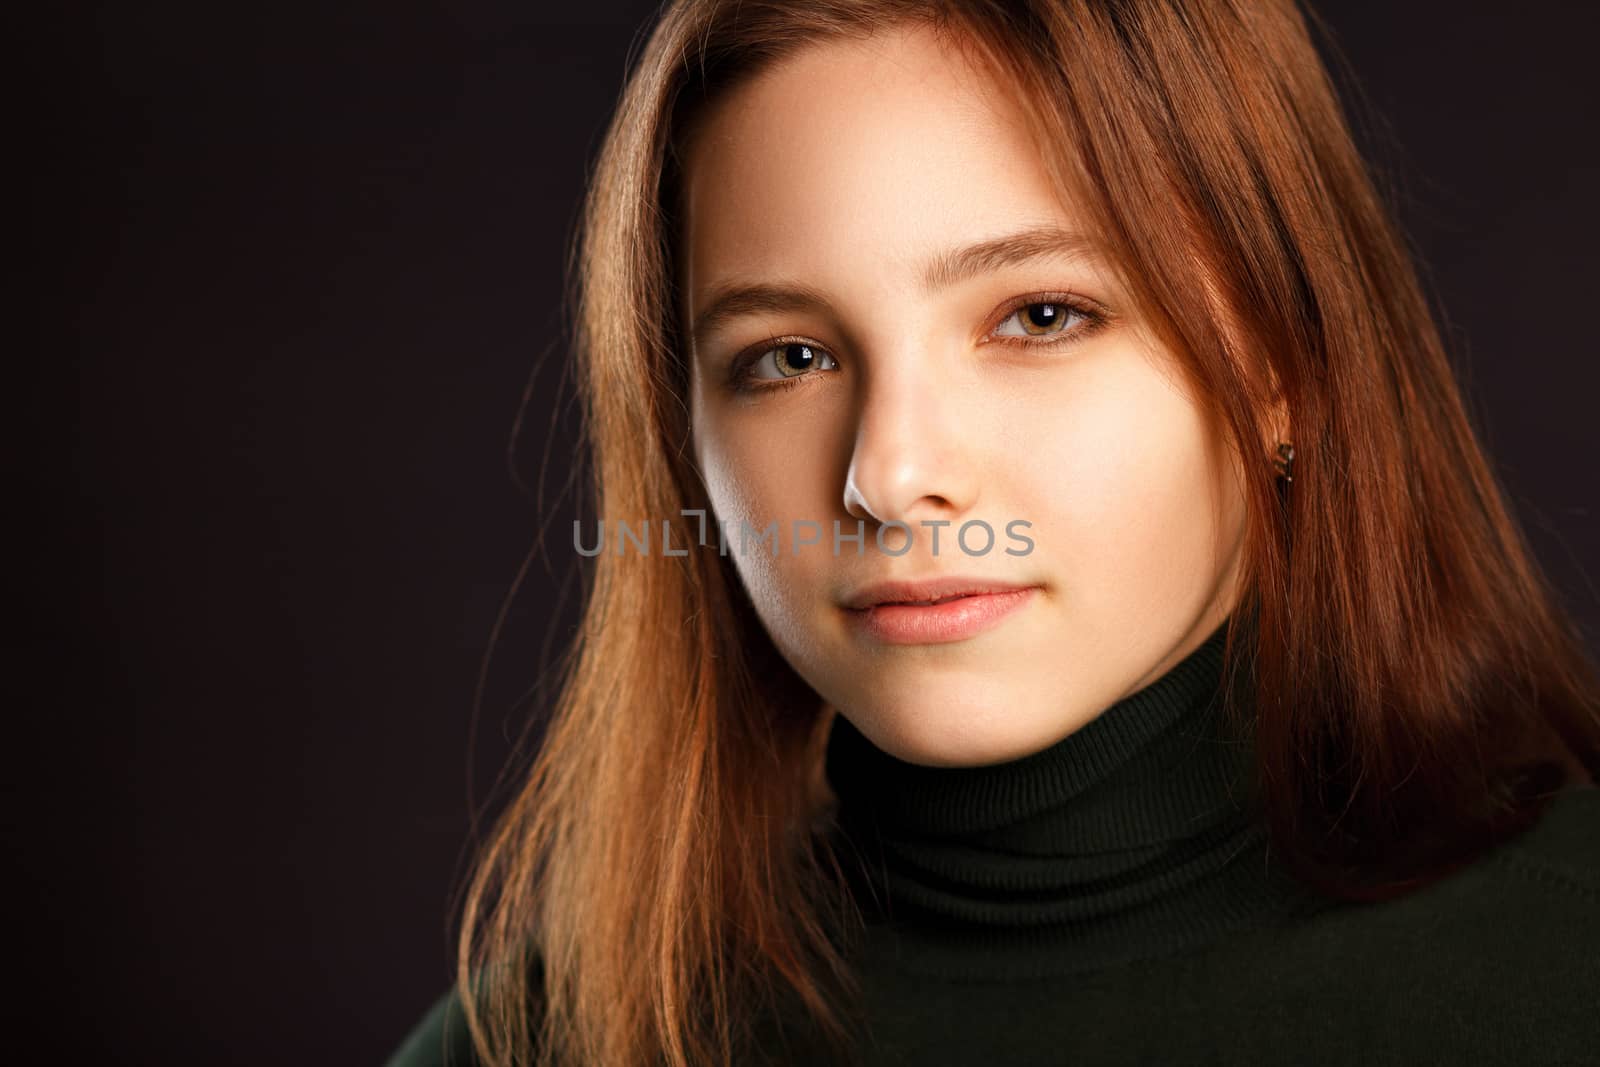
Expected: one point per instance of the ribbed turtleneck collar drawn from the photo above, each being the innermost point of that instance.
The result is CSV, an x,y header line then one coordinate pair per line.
x,y
1131,837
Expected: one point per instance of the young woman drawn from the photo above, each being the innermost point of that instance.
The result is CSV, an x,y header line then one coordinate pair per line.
x,y
1087,628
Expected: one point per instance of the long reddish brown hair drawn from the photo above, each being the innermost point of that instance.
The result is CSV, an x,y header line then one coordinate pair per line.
x,y
1415,691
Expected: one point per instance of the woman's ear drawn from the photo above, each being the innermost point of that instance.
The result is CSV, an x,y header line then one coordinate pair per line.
x,y
1282,428
1277,427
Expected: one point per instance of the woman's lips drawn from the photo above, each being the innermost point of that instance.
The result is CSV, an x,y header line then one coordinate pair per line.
x,y
953,619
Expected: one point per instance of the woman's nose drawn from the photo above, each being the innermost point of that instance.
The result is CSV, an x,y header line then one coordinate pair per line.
x,y
910,460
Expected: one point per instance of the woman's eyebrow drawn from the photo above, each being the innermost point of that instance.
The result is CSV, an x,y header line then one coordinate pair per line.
x,y
1035,243
947,268
730,302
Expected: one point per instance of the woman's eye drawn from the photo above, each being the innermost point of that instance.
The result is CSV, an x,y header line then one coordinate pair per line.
x,y
790,360
1038,322
1041,318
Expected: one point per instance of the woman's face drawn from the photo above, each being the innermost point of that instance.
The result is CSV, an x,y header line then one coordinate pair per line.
x,y
929,344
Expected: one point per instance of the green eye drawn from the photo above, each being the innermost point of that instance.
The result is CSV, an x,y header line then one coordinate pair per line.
x,y
790,360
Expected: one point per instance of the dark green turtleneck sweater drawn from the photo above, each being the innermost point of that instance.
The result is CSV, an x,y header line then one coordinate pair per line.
x,y
1108,901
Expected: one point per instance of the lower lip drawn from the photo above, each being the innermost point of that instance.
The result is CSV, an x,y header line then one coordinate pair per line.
x,y
930,624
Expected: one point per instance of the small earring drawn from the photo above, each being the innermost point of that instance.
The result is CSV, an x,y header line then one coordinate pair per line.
x,y
1284,463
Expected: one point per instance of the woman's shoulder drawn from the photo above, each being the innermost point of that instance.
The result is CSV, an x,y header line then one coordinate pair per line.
x,y
1563,847
1525,906
443,1039
1534,883
440,1039
1494,963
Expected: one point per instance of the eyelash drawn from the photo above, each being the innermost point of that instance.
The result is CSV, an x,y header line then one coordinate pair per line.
x,y
1093,315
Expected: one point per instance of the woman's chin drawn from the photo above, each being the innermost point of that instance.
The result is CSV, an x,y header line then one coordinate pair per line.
x,y
956,726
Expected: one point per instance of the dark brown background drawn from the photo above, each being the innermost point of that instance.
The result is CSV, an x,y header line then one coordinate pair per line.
x,y
301,261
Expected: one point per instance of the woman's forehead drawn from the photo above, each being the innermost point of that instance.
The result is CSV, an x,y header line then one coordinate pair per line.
x,y
882,151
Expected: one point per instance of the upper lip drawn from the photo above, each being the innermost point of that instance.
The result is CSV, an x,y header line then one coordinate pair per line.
x,y
933,589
